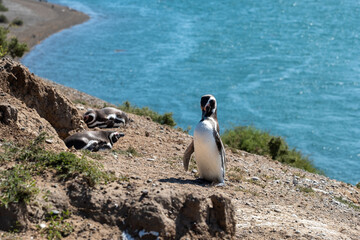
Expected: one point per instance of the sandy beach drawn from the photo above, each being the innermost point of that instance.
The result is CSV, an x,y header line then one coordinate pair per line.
x,y
41,19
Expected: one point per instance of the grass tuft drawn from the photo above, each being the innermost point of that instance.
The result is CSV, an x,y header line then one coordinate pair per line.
x,y
348,203
255,141
236,174
17,185
58,227
17,22
3,19
306,189
66,164
165,119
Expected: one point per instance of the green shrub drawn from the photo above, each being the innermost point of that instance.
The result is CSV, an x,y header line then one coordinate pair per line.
x,y
255,141
17,22
2,7
16,185
58,227
249,139
3,19
165,119
66,164
12,47
358,185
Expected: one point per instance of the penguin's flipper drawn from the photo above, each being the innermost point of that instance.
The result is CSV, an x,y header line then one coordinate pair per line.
x,y
187,155
110,123
221,149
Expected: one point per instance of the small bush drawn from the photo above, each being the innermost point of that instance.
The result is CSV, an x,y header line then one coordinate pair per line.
x,y
58,227
16,49
306,189
17,185
259,142
165,119
17,22
3,19
11,47
2,7
66,164
358,185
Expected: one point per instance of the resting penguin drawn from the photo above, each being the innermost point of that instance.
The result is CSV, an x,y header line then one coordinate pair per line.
x,y
207,144
108,117
93,140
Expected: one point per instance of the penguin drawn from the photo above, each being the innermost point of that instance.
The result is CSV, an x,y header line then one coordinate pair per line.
x,y
207,145
108,117
93,140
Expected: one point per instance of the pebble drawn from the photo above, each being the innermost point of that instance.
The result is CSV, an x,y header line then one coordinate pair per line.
x,y
297,232
80,107
50,141
151,159
144,191
55,212
42,225
194,171
116,205
255,178
277,210
149,181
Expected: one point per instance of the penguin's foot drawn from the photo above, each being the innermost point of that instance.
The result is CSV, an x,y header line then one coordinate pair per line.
x,y
222,184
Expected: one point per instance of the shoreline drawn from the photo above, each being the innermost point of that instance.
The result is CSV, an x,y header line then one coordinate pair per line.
x,y
41,19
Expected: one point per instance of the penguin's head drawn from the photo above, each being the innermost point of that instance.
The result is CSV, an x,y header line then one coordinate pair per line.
x,y
89,116
115,136
208,105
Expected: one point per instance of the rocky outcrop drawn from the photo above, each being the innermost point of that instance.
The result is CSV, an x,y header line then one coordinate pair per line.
x,y
16,80
19,124
164,213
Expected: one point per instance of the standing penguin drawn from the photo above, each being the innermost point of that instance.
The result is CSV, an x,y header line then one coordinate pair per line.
x,y
207,144
93,140
107,117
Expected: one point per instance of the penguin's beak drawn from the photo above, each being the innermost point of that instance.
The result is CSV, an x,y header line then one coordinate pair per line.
x,y
86,118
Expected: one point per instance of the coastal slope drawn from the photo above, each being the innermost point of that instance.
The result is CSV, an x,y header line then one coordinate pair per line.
x,y
153,196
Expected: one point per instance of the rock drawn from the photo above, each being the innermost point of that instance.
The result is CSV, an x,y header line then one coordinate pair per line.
x,y
42,225
55,212
151,159
8,113
194,171
144,191
16,80
255,178
80,107
49,141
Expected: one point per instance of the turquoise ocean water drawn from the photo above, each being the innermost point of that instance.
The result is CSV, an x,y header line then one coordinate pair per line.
x,y
290,67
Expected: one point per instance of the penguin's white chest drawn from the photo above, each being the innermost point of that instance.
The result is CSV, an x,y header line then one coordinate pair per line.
x,y
207,156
